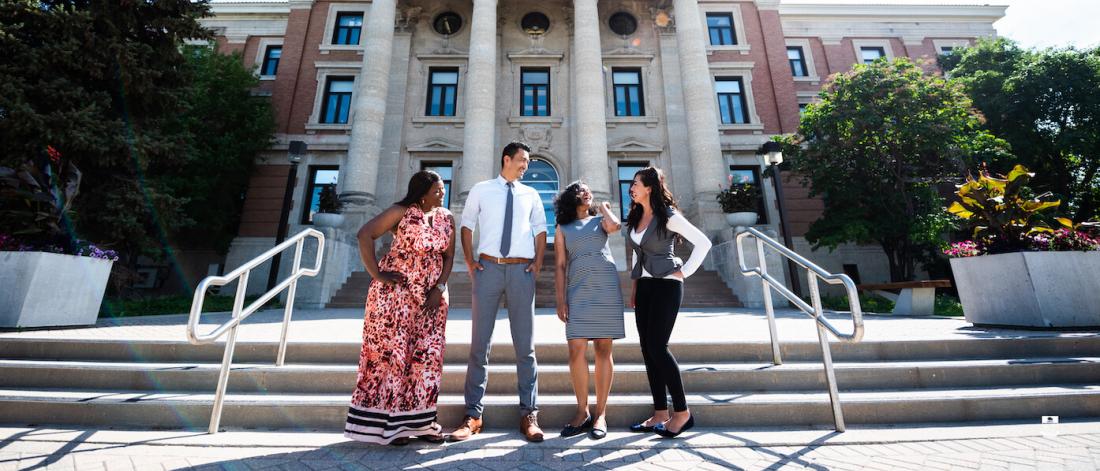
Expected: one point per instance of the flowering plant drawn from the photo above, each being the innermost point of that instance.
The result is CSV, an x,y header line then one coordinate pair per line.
x,y
966,248
1065,239
35,200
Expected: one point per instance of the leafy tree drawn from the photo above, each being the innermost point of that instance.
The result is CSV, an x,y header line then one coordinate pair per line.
x,y
1045,104
163,134
877,147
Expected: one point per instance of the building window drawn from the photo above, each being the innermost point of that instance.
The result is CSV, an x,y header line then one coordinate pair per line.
x,y
535,86
622,23
802,108
871,54
445,170
348,27
628,92
271,60
750,175
447,24
947,50
442,89
626,178
535,23
797,58
320,176
731,100
721,29
336,103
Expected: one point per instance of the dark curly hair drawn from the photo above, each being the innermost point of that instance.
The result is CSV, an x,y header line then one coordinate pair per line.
x,y
660,199
565,204
419,185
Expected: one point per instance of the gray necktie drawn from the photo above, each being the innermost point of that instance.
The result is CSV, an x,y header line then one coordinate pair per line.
x,y
506,237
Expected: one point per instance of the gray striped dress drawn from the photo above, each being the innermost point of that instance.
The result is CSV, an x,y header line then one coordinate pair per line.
x,y
593,293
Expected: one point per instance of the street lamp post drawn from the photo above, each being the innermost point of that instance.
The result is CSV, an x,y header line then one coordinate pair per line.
x,y
294,155
773,155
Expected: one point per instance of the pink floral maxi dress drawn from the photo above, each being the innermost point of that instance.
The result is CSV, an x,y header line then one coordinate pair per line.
x,y
402,357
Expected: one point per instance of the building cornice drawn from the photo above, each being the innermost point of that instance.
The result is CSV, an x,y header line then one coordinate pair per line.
x,y
246,7
891,12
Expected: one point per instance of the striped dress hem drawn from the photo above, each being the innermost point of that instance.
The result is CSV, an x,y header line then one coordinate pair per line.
x,y
381,427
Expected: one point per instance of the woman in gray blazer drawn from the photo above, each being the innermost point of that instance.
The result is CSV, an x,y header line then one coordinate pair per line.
x,y
652,227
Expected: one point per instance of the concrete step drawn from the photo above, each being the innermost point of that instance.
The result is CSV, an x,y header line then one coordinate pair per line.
x,y
624,351
703,289
630,378
123,408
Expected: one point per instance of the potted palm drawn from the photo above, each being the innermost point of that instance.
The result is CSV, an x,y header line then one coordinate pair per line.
x,y
1017,270
329,208
740,203
48,277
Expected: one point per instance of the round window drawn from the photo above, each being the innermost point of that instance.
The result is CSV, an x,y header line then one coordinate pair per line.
x,y
447,23
535,23
623,23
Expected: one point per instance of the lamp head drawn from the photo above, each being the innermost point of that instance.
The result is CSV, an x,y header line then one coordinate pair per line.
x,y
773,152
297,151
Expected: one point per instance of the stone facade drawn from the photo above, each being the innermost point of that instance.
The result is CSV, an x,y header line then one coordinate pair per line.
x,y
389,134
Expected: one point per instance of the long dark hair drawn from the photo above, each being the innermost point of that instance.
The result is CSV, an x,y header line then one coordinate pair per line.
x,y
565,205
419,185
660,199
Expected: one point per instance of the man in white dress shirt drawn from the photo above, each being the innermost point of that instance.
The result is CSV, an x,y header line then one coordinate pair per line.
x,y
511,225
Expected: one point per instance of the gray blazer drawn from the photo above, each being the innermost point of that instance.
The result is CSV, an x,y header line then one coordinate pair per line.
x,y
655,252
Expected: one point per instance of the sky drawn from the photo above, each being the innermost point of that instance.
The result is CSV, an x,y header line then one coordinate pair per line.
x,y
1045,23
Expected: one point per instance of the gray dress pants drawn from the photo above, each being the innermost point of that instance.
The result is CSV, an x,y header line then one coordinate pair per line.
x,y
518,288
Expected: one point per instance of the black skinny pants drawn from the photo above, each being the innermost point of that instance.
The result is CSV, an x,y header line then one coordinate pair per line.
x,y
657,302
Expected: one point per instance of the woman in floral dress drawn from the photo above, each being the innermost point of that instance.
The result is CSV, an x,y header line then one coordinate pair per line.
x,y
406,316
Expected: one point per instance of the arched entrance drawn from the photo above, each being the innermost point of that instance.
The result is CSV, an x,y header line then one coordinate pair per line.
x,y
543,178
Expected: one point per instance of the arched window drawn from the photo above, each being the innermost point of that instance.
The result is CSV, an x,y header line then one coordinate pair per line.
x,y
543,177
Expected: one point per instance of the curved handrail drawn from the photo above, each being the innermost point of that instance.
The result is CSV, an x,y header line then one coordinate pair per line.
x,y
240,312
814,310
830,278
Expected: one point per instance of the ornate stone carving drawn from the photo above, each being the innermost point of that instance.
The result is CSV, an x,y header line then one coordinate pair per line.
x,y
538,137
406,19
663,20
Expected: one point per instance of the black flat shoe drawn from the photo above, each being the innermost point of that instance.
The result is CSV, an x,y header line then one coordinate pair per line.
x,y
641,427
570,430
597,433
662,431
400,441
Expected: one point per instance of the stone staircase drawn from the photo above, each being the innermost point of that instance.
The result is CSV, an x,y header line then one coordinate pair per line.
x,y
704,289
170,384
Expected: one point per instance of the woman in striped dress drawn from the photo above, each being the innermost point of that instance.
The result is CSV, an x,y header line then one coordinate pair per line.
x,y
401,361
589,299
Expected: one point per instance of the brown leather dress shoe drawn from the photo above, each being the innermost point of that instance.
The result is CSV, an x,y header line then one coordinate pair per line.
x,y
529,426
470,426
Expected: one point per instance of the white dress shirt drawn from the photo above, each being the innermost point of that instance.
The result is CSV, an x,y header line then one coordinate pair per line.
x,y
484,214
699,241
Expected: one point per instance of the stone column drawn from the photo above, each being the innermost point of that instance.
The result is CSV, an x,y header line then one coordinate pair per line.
x,y
359,176
481,74
590,158
701,113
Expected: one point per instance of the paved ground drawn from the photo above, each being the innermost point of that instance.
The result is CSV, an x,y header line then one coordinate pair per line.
x,y
1070,446
693,325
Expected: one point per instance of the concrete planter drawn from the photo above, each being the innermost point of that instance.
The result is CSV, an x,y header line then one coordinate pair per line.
x,y
1030,289
328,219
39,289
741,219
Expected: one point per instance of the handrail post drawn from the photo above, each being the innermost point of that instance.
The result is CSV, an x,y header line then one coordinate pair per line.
x,y
227,356
826,354
767,294
289,308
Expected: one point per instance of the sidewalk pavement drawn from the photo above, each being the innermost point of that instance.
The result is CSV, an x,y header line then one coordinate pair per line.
x,y
1069,446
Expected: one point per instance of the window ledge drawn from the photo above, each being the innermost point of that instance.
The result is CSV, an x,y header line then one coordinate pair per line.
x,y
741,127
328,127
420,121
327,48
516,121
265,78
813,79
649,121
742,48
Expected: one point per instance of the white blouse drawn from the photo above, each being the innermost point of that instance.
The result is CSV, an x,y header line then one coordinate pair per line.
x,y
679,224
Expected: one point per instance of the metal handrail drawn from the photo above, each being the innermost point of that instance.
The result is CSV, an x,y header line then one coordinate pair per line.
x,y
240,313
815,311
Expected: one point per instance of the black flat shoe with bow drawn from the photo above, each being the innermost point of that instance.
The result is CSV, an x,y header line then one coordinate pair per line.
x,y
570,430
641,427
664,432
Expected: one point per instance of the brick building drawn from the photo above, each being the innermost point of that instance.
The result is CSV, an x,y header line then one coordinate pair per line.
x,y
379,90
